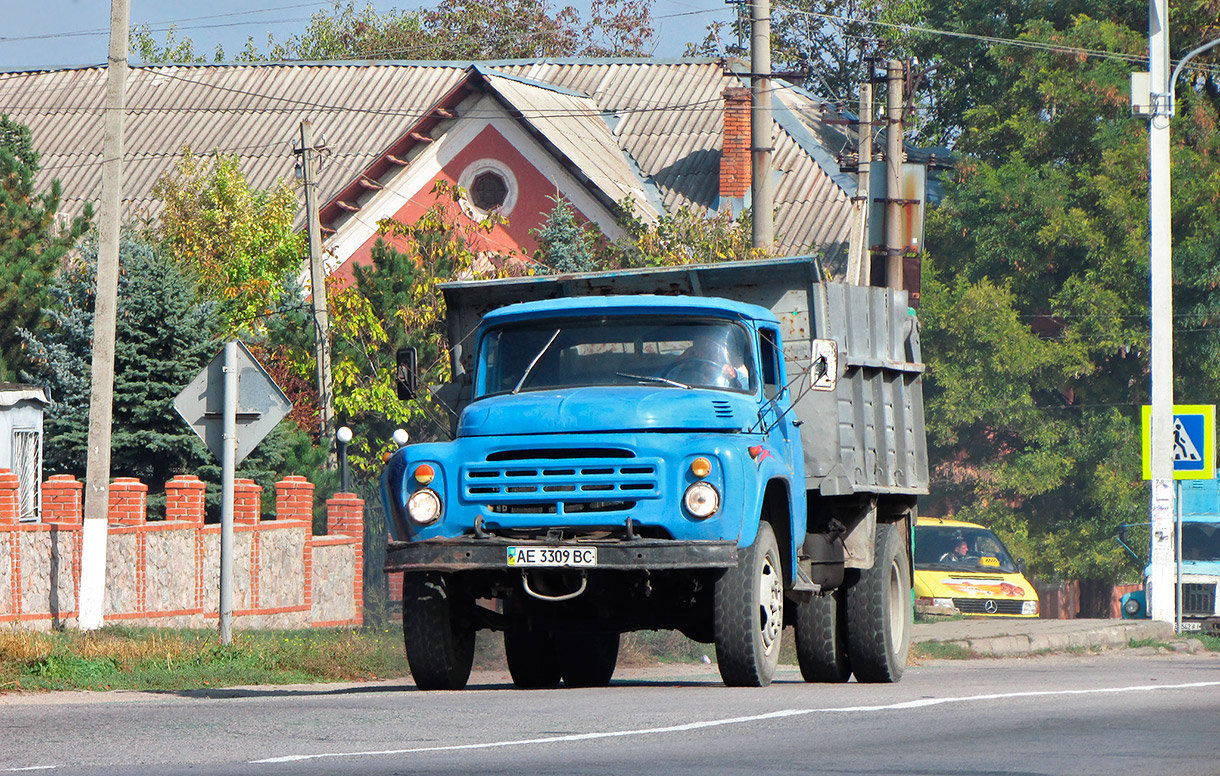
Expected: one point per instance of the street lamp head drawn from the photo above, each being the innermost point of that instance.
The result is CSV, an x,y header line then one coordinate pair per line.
x,y
401,436
344,434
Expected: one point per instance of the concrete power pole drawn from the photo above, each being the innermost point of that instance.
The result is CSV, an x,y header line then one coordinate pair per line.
x,y
894,249
859,258
101,392
1161,577
762,188
317,279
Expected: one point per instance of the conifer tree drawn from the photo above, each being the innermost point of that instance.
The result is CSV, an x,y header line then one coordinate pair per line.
x,y
164,336
30,245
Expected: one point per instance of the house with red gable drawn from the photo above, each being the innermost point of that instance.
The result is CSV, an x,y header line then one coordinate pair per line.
x,y
654,134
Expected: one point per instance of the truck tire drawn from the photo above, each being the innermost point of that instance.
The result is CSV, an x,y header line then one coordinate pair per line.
x,y
879,611
532,660
436,631
821,638
587,659
749,614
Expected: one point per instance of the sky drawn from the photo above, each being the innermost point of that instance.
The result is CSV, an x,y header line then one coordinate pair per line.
x,y
54,33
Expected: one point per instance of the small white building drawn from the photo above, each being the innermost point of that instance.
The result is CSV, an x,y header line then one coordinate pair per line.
x,y
21,408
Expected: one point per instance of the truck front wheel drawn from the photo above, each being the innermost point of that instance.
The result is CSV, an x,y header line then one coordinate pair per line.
x,y
437,631
821,638
879,611
532,661
587,659
749,614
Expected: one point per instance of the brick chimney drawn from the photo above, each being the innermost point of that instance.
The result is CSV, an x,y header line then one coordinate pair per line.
x,y
735,162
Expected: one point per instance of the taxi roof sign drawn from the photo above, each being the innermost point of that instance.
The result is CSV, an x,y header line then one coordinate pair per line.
x,y
1194,441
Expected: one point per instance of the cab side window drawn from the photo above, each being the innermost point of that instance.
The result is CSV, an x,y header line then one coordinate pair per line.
x,y
768,351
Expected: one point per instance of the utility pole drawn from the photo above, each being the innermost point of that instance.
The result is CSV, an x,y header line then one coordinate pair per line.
x,y
1161,577
762,193
859,257
101,391
317,277
894,249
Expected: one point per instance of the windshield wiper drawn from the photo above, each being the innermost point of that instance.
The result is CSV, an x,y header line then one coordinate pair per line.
x,y
653,379
537,358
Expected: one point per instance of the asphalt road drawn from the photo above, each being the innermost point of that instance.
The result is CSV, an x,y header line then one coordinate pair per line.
x,y
1113,714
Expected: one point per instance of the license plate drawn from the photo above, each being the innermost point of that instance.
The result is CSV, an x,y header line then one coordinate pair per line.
x,y
1189,625
552,557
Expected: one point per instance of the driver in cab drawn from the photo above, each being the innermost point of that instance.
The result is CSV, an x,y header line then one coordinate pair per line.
x,y
722,364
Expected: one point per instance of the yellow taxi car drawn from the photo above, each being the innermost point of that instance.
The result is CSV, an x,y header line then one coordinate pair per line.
x,y
964,568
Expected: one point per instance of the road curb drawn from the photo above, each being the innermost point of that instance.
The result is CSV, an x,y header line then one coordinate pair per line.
x,y
1118,633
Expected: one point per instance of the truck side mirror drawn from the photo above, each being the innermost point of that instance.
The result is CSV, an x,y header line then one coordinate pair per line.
x,y
406,376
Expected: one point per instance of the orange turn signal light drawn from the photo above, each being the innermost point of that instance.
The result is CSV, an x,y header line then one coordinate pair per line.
x,y
424,474
701,467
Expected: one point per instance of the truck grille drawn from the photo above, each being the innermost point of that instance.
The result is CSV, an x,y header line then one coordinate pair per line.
x,y
980,606
1198,598
516,483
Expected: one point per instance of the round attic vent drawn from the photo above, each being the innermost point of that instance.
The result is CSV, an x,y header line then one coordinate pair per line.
x,y
490,186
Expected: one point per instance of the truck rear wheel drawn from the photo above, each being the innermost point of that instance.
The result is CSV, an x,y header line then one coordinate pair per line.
x,y
532,660
587,659
821,638
879,611
749,614
436,631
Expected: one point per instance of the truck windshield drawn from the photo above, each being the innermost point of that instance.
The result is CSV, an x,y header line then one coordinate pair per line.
x,y
941,547
564,353
1200,541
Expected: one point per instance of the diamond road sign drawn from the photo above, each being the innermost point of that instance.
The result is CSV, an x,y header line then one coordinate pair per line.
x,y
260,404
1194,441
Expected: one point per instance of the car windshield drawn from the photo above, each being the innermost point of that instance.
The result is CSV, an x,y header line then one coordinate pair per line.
x,y
962,549
564,353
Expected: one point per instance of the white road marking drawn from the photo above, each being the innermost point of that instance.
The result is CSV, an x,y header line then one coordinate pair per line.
x,y
916,704
30,768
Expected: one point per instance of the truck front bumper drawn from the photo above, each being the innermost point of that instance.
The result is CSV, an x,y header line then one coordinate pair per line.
x,y
468,554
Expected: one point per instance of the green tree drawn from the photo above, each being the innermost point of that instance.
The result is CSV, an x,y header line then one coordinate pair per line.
x,y
450,30
164,335
397,302
1036,301
565,244
235,241
685,236
31,244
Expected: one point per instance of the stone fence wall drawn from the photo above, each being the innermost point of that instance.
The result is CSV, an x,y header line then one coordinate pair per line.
x,y
167,572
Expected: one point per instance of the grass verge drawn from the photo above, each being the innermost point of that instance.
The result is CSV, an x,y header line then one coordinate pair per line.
x,y
116,658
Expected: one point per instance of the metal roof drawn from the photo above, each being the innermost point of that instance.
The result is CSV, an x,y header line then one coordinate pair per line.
x,y
664,115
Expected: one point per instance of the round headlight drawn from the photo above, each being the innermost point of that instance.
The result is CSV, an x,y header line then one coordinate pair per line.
x,y
1131,606
424,506
701,500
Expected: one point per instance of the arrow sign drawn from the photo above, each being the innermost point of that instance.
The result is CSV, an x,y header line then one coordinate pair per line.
x,y
1194,441
260,404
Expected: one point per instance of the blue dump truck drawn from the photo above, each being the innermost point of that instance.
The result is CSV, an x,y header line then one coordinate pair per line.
x,y
719,449
1200,508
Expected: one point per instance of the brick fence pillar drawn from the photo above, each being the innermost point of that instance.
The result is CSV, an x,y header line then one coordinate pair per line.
x,y
294,499
62,500
184,499
247,502
128,501
8,496
345,515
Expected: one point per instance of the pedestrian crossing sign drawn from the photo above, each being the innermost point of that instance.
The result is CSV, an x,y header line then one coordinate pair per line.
x,y
1194,441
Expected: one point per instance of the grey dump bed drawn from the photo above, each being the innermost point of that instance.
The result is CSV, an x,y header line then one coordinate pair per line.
x,y
864,436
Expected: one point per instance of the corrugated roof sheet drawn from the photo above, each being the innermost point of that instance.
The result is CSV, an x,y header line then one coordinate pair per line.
x,y
664,116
